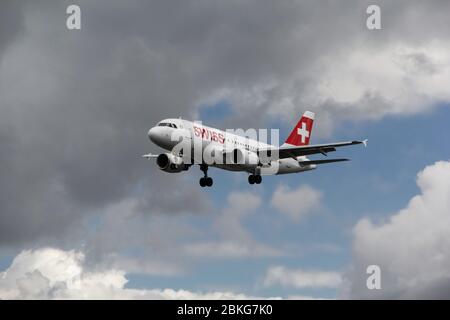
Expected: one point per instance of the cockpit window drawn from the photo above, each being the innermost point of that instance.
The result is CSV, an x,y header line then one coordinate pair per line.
x,y
166,124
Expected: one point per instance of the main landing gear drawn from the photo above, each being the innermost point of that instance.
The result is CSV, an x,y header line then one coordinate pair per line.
x,y
208,181
205,181
254,178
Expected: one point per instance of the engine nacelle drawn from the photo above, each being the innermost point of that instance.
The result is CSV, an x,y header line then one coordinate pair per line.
x,y
169,162
245,157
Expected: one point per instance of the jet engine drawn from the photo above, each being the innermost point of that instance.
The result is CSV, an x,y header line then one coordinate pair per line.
x,y
169,162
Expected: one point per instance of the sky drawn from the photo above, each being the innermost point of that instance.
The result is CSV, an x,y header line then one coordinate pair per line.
x,y
82,215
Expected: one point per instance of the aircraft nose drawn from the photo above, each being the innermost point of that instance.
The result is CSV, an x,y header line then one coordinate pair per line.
x,y
153,134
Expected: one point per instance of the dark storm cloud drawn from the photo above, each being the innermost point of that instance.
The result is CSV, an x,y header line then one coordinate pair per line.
x,y
11,23
75,111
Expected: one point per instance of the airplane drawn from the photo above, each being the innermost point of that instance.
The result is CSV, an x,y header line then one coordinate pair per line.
x,y
235,152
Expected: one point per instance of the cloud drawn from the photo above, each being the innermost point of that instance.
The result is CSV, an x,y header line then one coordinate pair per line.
x,y
399,78
298,203
240,205
127,239
298,278
411,247
86,100
235,240
230,249
11,23
50,273
299,297
380,73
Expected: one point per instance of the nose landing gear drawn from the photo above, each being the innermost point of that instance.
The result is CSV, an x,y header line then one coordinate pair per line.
x,y
205,181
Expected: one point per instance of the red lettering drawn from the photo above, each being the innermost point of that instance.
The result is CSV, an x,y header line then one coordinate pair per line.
x,y
197,131
221,138
205,133
209,135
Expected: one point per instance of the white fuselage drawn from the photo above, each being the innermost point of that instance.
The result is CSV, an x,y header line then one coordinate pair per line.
x,y
167,133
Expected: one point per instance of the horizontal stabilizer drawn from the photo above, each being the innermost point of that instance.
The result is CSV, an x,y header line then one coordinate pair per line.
x,y
289,151
307,162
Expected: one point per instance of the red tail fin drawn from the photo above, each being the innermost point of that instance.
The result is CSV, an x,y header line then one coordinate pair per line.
x,y
302,131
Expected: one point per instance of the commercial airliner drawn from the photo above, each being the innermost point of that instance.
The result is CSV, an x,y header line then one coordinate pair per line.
x,y
192,143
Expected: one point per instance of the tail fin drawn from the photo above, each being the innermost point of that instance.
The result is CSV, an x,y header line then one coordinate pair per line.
x,y
302,131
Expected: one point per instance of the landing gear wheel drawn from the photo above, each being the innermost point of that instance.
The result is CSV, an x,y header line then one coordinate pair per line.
x,y
205,181
252,179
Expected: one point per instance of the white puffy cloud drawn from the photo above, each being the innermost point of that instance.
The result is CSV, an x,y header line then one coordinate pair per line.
x,y
296,203
370,81
50,273
300,297
406,79
298,278
411,247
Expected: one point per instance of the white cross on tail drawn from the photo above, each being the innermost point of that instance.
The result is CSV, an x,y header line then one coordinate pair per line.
x,y
302,132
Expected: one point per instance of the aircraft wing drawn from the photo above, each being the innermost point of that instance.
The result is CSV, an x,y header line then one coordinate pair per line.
x,y
308,162
297,151
149,156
